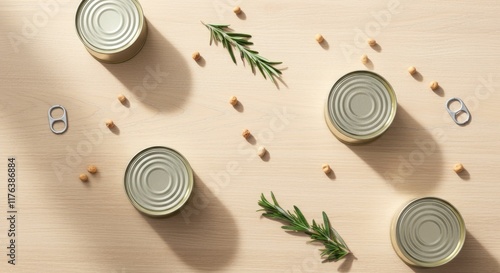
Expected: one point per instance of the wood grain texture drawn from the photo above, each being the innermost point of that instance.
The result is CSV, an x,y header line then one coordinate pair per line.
x,y
67,226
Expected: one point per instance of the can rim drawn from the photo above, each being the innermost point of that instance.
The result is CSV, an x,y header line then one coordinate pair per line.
x,y
348,137
181,203
410,260
117,50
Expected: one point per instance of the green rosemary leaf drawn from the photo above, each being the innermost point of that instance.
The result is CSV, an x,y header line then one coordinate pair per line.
x,y
243,42
217,26
339,239
218,36
246,57
235,34
272,70
261,71
335,247
300,216
230,49
240,41
294,228
274,63
211,37
252,52
274,199
263,59
272,77
326,221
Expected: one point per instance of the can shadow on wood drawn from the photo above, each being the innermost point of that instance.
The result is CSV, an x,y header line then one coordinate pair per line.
x,y
407,155
157,76
472,258
203,234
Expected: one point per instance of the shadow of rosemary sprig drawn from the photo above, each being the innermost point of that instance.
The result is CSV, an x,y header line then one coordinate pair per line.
x,y
241,41
335,247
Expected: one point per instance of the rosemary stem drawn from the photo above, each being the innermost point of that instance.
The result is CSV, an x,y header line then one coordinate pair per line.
x,y
335,247
311,231
231,41
240,41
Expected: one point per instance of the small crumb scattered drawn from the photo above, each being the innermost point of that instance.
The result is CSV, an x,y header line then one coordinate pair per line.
x,y
326,168
412,70
110,124
261,151
237,10
458,168
434,85
92,169
196,56
319,38
372,42
233,100
84,177
364,59
122,98
246,133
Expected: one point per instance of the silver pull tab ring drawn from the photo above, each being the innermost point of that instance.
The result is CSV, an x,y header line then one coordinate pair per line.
x,y
462,109
63,119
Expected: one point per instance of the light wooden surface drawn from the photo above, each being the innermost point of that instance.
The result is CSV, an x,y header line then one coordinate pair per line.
x,y
64,225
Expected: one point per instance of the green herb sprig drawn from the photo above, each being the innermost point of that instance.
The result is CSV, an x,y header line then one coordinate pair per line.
x,y
335,247
241,41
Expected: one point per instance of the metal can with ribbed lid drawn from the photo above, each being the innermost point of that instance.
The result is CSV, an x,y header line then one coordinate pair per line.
x,y
158,181
113,31
360,107
428,232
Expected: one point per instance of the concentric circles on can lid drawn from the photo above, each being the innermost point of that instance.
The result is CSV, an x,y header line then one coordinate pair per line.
x,y
112,30
360,107
428,232
158,181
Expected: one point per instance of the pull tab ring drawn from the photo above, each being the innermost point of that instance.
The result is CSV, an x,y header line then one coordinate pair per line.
x,y
454,114
63,118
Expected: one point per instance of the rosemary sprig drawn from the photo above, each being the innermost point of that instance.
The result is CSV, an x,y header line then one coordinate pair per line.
x,y
335,247
241,41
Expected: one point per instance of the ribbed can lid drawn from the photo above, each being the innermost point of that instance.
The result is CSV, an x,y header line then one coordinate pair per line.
x,y
361,105
109,26
429,232
158,181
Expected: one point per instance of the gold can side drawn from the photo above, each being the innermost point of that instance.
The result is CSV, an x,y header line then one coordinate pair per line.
x,y
114,38
124,55
394,240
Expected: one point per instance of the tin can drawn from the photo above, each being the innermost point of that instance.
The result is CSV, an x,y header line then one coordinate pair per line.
x,y
428,232
158,181
113,31
360,107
